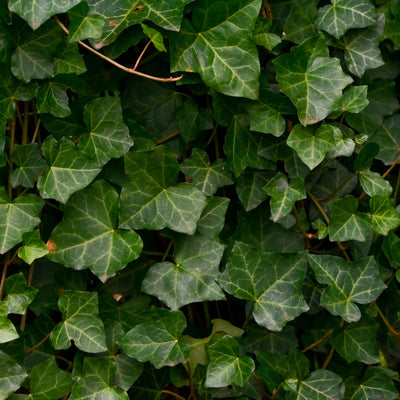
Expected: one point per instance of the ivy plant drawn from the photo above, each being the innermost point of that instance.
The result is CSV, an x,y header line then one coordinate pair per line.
x,y
199,199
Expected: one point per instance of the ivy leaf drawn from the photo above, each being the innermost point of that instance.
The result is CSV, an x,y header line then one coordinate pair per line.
x,y
47,381
212,219
313,81
70,170
226,366
36,12
192,278
375,384
342,15
12,375
384,215
148,187
33,247
7,329
346,223
17,217
97,381
155,37
206,177
321,384
312,146
365,157
271,280
373,184
81,323
68,60
262,35
108,135
52,98
229,61
348,283
19,296
88,236
30,165
284,195
157,339
354,99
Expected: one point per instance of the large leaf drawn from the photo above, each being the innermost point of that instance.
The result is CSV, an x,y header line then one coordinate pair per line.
x,y
220,48
348,283
12,375
81,323
192,278
149,198
17,217
157,339
88,236
271,280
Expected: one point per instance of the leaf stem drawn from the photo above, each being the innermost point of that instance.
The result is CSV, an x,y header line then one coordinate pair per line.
x,y
192,392
141,55
36,131
7,262
386,322
10,152
173,394
396,190
116,64
169,137
25,127
343,184
28,283
330,355
167,250
27,351
312,345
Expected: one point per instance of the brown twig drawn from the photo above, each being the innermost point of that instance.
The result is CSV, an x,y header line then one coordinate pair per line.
x,y
28,283
173,394
386,322
330,355
7,262
261,386
312,345
169,137
141,55
267,9
27,351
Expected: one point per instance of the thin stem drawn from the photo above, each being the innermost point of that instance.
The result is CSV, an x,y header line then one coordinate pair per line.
x,y
116,64
343,184
396,190
169,137
27,351
25,127
312,345
29,283
192,392
214,132
141,55
173,394
36,131
261,386
167,250
10,152
386,322
330,355
7,262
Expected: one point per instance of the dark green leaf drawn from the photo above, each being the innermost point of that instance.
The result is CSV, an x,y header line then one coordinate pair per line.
x,y
52,98
374,185
7,329
19,295
12,375
33,247
212,219
68,60
365,157
262,35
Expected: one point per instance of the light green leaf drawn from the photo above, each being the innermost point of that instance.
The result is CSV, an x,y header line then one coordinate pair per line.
x,y
344,146
226,366
19,295
157,339
262,35
83,26
192,278
17,217
155,37
321,385
312,145
373,184
212,219
346,223
48,382
284,195
33,247
12,375
206,177
357,342
97,381
148,199
342,15
7,330
321,227
81,323
35,12
349,283
354,99
30,165
70,170
384,215
88,236
52,98
108,135
311,79
220,49
375,384
68,60
271,280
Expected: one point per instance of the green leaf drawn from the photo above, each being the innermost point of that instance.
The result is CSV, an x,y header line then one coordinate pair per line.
x,y
17,217
206,177
83,26
365,157
348,283
321,385
373,184
7,330
70,170
375,384
157,339
354,99
68,60
147,188
262,35
192,278
313,81
33,247
30,165
108,135
346,223
122,14
36,12
284,195
155,37
128,371
276,290
48,382
80,323
384,215
97,381
88,236
19,296
212,219
226,366
342,15
312,146
229,61
12,375
52,98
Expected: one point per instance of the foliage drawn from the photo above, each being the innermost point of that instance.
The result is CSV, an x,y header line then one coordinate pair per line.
x,y
199,199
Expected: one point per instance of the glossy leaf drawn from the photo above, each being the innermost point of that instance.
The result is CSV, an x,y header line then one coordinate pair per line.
x,y
384,216
12,375
354,99
19,295
212,219
68,60
52,98
388,140
33,247
155,37
7,329
373,184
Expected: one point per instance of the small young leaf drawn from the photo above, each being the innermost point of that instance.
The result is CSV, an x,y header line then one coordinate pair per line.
x,y
33,247
52,98
155,37
384,215
19,295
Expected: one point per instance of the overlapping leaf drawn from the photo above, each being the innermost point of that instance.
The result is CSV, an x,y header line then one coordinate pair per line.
x,y
12,375
19,295
384,215
33,247
52,98
7,328
212,219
